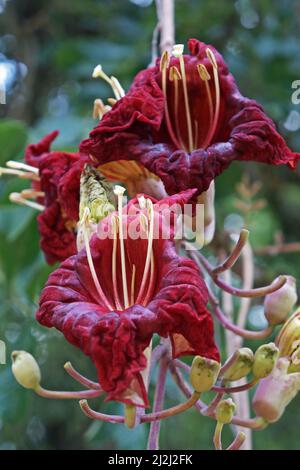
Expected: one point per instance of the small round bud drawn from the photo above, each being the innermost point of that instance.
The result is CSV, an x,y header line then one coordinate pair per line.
x,y
241,366
278,304
204,373
25,369
225,411
264,360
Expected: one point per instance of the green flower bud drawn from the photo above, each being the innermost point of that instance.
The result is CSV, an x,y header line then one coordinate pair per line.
x,y
278,304
25,369
241,366
96,194
204,373
264,360
225,411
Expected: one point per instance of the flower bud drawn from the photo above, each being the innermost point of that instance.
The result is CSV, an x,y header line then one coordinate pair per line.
x,y
25,369
278,304
275,392
288,341
264,360
96,194
225,411
204,373
241,366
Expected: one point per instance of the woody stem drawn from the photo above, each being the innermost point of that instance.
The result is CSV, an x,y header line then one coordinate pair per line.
x,y
165,13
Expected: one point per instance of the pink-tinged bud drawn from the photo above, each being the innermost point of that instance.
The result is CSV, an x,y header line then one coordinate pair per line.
x,y
25,369
204,373
275,392
288,341
265,358
225,411
278,304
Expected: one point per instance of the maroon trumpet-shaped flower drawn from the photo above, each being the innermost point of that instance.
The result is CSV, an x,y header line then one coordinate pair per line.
x,y
55,189
117,292
184,121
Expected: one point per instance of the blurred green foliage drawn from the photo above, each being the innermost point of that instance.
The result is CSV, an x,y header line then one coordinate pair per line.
x,y
51,48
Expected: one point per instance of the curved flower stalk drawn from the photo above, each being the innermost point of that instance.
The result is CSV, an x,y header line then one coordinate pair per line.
x,y
54,192
184,121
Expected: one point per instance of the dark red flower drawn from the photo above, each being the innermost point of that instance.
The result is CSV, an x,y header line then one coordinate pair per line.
x,y
59,184
111,307
185,121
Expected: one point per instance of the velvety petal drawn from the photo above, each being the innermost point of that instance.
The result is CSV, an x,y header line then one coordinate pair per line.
x,y
117,340
34,152
135,129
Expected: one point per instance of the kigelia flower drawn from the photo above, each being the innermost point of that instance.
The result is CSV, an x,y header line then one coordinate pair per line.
x,y
126,284
54,192
183,122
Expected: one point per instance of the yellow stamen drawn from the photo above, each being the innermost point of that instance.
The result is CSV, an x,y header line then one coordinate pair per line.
x,y
19,173
178,52
114,262
22,166
204,75
17,198
118,86
174,76
84,221
149,250
164,64
132,284
112,81
214,64
150,286
111,101
119,191
100,109
32,193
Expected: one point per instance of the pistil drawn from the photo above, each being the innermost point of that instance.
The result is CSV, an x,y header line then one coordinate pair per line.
x,y
119,191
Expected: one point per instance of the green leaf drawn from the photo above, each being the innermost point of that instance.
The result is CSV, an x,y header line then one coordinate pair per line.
x,y
13,137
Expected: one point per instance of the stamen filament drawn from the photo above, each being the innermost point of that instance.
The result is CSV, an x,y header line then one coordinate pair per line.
x,y
119,191
186,102
19,173
31,193
84,221
213,61
17,198
114,262
22,166
132,284
204,75
151,282
149,251
118,86
174,76
164,63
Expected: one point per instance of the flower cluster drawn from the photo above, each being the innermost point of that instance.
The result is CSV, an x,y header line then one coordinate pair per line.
x,y
180,125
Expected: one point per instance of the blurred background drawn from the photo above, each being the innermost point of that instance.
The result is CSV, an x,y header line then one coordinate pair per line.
x,y
48,49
